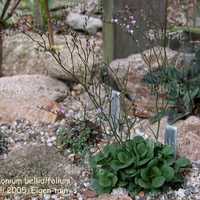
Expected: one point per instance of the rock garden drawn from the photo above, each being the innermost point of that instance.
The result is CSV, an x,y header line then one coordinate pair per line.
x,y
99,100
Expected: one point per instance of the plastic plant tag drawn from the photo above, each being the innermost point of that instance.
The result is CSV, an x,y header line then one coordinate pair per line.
x,y
115,109
171,137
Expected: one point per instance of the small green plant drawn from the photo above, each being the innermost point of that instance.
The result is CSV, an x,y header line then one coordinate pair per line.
x,y
3,143
180,86
137,165
78,137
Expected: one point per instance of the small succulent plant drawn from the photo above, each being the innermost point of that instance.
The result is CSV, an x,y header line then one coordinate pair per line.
x,y
78,137
179,86
138,165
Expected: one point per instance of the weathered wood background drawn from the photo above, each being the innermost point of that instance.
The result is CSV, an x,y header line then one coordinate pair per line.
x,y
117,42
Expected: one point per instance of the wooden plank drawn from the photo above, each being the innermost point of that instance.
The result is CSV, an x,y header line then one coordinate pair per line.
x,y
117,42
108,30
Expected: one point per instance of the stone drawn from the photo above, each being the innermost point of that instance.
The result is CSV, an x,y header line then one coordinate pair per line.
x,y
32,86
112,197
181,13
117,194
84,23
89,194
136,67
188,135
23,56
77,90
119,191
90,7
31,97
37,161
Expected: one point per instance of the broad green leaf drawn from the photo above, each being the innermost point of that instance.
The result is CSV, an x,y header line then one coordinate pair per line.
x,y
153,162
130,171
107,179
155,171
158,181
100,190
142,162
167,151
122,184
167,172
145,174
142,150
194,93
182,162
117,165
143,184
123,157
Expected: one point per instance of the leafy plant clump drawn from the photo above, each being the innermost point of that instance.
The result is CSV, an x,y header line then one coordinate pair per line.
x,y
137,165
181,88
78,137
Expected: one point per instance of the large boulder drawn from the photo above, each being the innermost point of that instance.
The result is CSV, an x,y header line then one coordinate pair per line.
x,y
136,66
84,23
188,137
23,56
31,97
40,162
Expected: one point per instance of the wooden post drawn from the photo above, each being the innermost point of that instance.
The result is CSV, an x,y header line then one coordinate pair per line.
x,y
108,30
1,47
117,42
38,20
50,28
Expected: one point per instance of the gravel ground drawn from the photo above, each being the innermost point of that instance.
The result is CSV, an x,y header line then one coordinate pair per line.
x,y
21,132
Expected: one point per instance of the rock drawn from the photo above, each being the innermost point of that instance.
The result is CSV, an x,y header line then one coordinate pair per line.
x,y
180,193
181,13
37,161
23,56
188,136
90,7
117,194
31,97
112,197
32,86
84,23
89,194
77,89
119,191
137,67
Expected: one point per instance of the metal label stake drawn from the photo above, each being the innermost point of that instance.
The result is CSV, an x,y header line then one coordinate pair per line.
x,y
171,135
115,109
